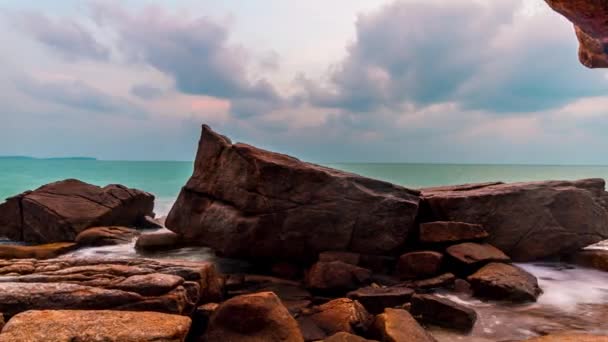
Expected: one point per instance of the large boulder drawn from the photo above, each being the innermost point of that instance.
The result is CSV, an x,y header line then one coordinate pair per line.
x,y
106,284
528,221
341,315
106,236
258,317
109,326
443,312
399,326
60,211
589,18
592,258
505,282
336,277
419,265
251,203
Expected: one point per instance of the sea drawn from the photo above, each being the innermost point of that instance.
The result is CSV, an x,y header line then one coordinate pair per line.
x,y
574,298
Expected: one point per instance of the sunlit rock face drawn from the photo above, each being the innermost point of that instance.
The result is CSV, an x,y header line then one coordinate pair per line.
x,y
590,18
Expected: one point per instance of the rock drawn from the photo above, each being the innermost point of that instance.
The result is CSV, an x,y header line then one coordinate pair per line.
x,y
104,236
504,282
159,241
589,18
443,312
150,222
399,326
249,203
46,251
60,211
592,258
451,232
444,280
528,221
345,337
256,317
336,277
286,270
463,286
111,326
419,265
376,299
310,330
570,337
341,315
345,257
470,254
106,284
200,321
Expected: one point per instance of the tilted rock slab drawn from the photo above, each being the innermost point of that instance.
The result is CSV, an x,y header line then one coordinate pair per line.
x,y
96,284
247,202
590,18
59,211
108,326
528,221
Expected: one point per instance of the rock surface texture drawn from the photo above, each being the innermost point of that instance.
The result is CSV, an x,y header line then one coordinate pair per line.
x,y
247,202
528,221
590,18
505,282
81,284
258,317
59,211
107,326
399,326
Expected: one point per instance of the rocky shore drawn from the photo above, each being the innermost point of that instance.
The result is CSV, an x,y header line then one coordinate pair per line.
x,y
334,256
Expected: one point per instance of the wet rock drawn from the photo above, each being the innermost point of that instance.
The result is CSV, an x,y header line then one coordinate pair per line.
x,y
463,286
396,325
592,258
345,337
341,315
45,251
249,203
528,221
376,299
159,241
419,265
105,236
103,284
111,326
589,18
504,282
345,257
470,254
200,321
336,277
444,280
256,317
60,211
442,232
570,337
443,312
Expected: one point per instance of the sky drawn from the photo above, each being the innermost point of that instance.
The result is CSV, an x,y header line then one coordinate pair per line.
x,y
444,81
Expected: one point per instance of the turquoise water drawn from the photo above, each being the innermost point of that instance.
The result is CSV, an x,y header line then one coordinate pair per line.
x,y
164,179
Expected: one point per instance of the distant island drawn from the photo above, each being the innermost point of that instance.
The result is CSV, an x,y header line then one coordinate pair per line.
x,y
34,158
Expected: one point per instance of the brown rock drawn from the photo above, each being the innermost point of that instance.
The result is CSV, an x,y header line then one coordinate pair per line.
x,y
570,337
528,221
310,330
345,337
200,321
111,326
341,315
399,326
336,276
159,241
589,18
376,299
250,203
592,258
60,211
504,282
103,284
104,236
345,257
474,254
443,312
257,317
419,265
444,280
46,251
451,232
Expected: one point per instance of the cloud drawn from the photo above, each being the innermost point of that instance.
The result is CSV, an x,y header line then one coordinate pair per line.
x,y
78,95
484,55
194,51
64,36
147,92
